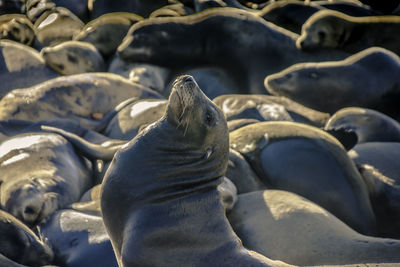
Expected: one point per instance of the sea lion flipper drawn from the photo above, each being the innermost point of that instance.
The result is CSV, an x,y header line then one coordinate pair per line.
x,y
90,150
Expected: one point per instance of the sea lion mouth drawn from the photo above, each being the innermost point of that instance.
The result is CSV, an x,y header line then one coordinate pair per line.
x,y
182,99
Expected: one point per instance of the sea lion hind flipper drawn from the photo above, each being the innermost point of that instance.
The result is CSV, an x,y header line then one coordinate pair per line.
x,y
91,150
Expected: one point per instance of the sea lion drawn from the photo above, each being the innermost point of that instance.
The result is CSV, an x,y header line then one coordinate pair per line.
x,y
40,173
78,239
191,228
303,233
21,66
183,43
370,78
267,108
14,127
17,28
328,28
106,32
306,160
78,97
369,125
20,245
378,165
73,57
56,26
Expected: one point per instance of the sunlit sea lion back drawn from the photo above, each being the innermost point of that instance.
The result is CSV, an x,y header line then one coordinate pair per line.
x,y
159,197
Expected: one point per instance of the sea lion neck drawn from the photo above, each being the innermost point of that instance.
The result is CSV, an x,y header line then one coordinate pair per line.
x,y
172,163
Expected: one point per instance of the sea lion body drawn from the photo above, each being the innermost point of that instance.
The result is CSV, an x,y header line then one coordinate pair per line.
x,y
78,239
369,125
333,29
40,173
378,165
191,228
262,49
107,31
304,234
370,78
290,15
73,57
21,66
19,245
307,161
268,108
75,97
56,26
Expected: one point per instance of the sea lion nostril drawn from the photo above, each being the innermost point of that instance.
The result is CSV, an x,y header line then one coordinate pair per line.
x,y
187,79
29,210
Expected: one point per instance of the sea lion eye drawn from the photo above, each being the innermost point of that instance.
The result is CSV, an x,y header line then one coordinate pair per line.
x,y
209,117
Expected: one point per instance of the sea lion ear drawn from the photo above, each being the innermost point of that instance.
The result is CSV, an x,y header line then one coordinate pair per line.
x,y
348,138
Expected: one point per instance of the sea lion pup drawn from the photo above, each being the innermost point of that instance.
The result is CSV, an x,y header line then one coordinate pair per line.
x,y
370,78
20,245
84,97
40,173
369,125
73,57
171,172
182,43
328,28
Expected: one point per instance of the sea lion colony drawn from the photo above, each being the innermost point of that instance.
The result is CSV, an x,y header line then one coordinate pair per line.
x,y
113,154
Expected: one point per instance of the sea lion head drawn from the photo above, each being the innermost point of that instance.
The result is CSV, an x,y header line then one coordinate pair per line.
x,y
313,83
29,202
188,146
73,57
17,30
197,116
323,29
